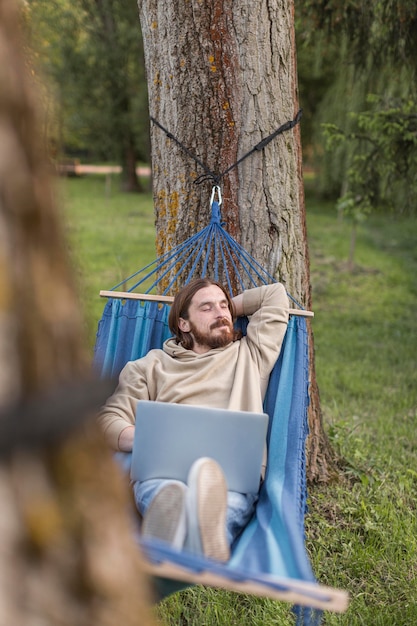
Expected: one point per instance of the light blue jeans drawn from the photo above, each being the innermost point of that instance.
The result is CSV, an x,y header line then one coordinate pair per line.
x,y
240,506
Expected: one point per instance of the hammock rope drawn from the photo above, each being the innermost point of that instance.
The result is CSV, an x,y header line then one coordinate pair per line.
x,y
217,177
214,248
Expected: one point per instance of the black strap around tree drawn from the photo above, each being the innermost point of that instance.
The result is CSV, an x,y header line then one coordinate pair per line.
x,y
216,178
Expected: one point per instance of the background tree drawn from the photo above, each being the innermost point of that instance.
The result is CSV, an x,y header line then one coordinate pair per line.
x,y
383,167
221,77
376,31
369,91
91,53
68,554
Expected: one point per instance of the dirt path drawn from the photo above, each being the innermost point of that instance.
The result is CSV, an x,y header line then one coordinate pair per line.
x,y
79,169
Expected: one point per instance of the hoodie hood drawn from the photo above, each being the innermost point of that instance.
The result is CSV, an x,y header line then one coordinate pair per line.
x,y
177,351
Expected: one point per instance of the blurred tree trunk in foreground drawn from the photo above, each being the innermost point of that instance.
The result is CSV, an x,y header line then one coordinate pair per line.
x,y
67,550
221,78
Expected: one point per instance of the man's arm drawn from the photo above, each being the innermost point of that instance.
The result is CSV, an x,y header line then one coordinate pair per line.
x,y
267,309
117,417
238,304
251,300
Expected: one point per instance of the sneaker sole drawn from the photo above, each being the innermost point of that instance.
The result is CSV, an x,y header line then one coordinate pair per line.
x,y
165,518
211,490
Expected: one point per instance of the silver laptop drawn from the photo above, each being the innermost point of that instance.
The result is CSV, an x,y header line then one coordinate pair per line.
x,y
170,437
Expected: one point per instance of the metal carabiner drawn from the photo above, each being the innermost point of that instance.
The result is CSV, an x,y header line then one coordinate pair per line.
x,y
213,193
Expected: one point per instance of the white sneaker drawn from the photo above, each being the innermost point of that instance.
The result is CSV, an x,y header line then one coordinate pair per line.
x,y
166,517
206,510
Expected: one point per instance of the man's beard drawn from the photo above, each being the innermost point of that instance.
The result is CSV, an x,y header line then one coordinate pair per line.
x,y
219,340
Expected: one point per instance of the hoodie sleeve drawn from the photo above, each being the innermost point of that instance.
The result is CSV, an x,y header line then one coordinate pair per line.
x,y
120,408
267,309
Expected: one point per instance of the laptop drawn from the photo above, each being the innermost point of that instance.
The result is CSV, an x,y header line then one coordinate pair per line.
x,y
170,437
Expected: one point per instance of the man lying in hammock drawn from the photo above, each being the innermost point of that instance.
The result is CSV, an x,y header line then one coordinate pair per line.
x,y
206,363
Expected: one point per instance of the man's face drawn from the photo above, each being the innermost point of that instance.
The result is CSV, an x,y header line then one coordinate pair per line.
x,y
209,320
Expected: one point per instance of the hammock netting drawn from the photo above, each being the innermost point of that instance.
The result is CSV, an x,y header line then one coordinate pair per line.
x,y
269,558
211,252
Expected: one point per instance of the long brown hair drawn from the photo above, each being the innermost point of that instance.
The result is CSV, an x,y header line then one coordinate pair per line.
x,y
182,303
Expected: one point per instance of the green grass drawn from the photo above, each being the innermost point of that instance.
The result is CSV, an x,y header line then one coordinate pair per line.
x,y
112,235
361,530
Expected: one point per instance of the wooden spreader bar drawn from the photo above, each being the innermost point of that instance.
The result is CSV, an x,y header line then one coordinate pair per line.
x,y
127,295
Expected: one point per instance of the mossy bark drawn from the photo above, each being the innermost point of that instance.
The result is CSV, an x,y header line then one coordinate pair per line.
x,y
222,77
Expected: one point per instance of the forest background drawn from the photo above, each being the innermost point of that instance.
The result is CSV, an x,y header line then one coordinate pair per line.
x,y
357,88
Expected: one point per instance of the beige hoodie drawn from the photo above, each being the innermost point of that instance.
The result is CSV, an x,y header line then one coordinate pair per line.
x,y
233,377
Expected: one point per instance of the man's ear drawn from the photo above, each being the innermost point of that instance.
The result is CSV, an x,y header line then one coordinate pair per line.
x,y
184,325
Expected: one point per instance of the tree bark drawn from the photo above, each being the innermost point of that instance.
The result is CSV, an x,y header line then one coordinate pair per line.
x,y
221,77
67,550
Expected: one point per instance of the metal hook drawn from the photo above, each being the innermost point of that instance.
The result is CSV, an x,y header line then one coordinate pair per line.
x,y
213,193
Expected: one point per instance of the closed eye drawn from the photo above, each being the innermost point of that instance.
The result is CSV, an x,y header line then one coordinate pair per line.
x,y
208,306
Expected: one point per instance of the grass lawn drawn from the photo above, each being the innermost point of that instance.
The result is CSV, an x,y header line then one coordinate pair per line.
x,y
361,530
112,235
362,533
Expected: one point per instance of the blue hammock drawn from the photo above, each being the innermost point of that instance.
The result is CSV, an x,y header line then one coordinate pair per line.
x,y
269,558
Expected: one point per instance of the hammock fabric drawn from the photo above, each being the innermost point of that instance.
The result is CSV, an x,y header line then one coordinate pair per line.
x,y
269,558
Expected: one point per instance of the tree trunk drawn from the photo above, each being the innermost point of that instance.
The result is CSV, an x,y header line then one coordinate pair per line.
x,y
222,77
68,555
130,181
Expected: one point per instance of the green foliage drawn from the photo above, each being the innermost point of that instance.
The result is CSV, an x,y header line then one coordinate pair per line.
x,y
383,169
317,71
91,55
385,30
372,51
